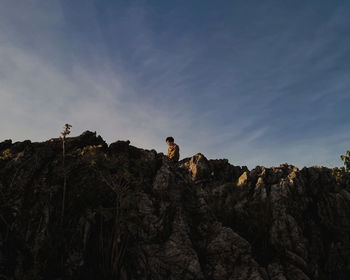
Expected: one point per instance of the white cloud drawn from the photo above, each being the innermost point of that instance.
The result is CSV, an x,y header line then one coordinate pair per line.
x,y
44,85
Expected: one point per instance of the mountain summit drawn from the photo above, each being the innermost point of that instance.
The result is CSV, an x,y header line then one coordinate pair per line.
x,y
129,213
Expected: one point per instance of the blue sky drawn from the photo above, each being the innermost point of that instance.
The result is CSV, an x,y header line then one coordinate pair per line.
x,y
257,82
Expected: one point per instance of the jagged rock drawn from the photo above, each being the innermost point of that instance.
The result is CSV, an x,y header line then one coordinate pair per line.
x,y
132,214
198,167
229,248
119,146
243,179
5,145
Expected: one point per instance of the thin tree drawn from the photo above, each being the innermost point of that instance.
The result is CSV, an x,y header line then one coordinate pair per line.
x,y
64,133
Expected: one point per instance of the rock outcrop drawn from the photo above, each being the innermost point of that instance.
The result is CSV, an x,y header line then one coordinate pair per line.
x,y
131,214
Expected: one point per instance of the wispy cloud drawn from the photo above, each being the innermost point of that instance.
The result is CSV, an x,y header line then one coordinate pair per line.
x,y
248,83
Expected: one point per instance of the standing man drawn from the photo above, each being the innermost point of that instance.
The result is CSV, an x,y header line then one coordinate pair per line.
x,y
173,150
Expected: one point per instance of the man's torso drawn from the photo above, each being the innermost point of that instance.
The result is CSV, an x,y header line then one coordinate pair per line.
x,y
174,152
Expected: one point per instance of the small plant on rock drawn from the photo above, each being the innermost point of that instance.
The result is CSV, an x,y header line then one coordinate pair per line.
x,y
342,174
7,154
346,159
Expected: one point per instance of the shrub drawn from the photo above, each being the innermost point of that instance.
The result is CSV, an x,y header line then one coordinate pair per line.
x,y
6,154
342,174
346,160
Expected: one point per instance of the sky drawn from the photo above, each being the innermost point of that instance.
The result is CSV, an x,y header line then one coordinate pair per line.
x,y
256,82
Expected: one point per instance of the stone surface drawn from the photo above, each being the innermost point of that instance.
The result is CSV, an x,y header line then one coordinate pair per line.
x,y
132,214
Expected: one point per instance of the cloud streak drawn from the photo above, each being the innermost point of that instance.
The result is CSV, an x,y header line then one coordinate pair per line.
x,y
248,83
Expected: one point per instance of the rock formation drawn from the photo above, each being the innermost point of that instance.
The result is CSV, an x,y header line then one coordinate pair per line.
x,y
131,214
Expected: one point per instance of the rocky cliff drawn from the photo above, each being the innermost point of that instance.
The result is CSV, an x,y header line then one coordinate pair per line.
x,y
129,213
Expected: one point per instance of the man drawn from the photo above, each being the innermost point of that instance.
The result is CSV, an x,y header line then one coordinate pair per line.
x,y
173,149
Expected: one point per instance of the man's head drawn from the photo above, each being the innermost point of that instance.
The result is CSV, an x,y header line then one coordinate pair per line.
x,y
169,140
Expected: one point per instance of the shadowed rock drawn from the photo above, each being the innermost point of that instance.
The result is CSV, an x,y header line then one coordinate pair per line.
x,y
132,214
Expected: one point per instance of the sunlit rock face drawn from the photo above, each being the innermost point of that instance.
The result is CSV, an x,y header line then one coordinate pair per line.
x,y
131,214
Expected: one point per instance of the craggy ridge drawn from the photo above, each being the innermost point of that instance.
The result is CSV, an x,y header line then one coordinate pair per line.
x,y
131,214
